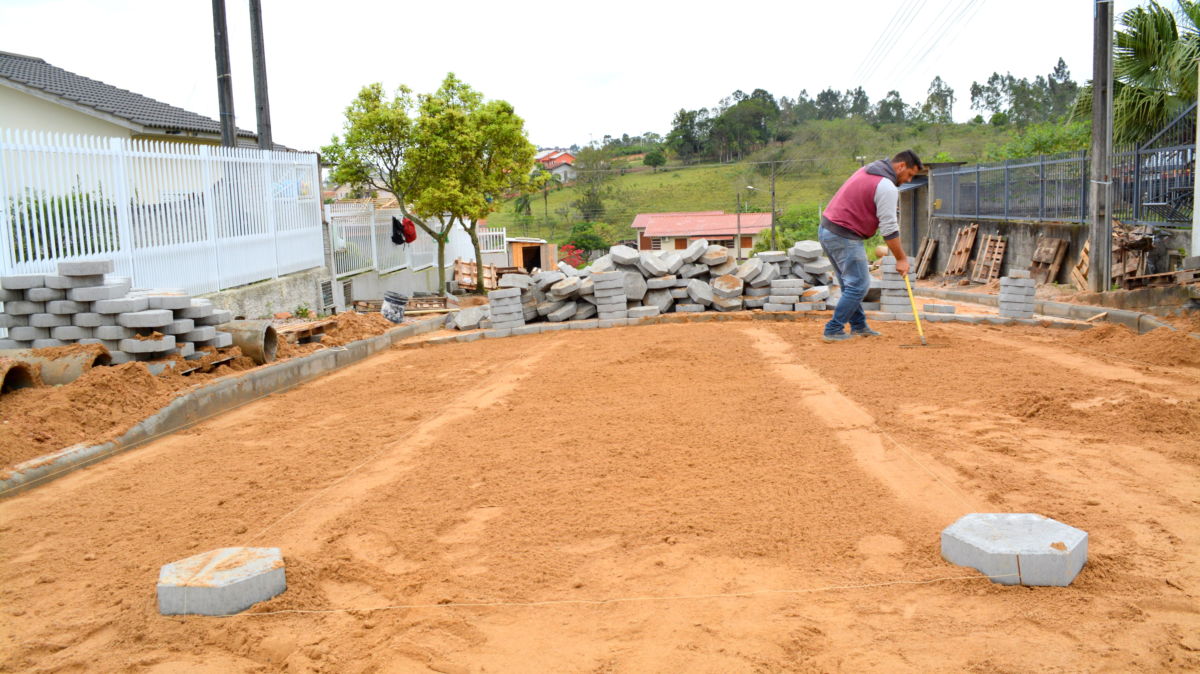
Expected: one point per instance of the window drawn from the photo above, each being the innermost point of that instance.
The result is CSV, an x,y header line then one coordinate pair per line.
x,y
656,243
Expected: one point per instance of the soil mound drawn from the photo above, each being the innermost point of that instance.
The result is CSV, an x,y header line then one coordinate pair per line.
x,y
352,326
1159,347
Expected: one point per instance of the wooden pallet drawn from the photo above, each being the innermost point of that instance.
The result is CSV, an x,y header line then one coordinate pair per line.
x,y
465,275
303,333
425,303
368,306
1079,273
1047,259
960,255
926,256
1170,278
991,255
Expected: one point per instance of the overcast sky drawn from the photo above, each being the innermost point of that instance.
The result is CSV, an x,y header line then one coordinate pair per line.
x,y
574,71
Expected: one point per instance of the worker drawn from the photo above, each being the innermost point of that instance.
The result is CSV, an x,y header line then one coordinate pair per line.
x,y
865,204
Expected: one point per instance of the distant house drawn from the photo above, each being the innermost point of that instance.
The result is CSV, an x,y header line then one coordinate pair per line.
x,y
675,231
564,172
38,96
549,159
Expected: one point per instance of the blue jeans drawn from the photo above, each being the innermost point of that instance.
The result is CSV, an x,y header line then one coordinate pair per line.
x,y
849,261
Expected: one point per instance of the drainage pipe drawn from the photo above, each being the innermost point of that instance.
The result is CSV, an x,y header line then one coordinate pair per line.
x,y
64,369
14,375
256,339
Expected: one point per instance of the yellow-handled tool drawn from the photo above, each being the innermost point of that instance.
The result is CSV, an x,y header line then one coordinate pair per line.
x,y
916,317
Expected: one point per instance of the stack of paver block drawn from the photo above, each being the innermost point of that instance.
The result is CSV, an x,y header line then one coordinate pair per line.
x,y
628,285
1016,295
81,304
893,295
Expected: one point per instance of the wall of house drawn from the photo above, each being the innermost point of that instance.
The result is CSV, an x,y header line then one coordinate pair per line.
x,y
372,285
286,293
19,110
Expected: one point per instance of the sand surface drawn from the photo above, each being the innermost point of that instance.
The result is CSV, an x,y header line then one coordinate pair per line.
x,y
713,497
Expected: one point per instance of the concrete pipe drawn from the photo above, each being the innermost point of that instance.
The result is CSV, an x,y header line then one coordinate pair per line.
x,y
14,375
64,369
256,339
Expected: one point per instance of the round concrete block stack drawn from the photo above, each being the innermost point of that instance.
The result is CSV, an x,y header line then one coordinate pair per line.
x,y
83,303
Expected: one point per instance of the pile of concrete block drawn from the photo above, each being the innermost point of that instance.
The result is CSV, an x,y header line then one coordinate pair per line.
x,y
893,295
628,285
1016,295
83,304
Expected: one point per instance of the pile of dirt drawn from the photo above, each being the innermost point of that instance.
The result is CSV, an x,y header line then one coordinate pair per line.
x,y
352,326
1163,346
100,405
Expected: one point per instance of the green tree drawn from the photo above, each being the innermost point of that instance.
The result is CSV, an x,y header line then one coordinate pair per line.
x,y
592,182
654,159
891,109
939,104
830,104
686,138
585,237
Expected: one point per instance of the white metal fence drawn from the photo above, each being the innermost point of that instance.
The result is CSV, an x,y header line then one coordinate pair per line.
x,y
171,215
360,236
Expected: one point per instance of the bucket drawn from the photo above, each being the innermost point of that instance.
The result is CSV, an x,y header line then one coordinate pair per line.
x,y
393,306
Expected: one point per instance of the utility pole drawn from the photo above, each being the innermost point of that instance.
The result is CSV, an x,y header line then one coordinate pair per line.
x,y
774,246
1195,252
738,243
1100,262
262,106
224,82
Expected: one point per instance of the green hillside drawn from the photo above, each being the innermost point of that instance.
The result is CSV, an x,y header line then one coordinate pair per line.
x,y
812,165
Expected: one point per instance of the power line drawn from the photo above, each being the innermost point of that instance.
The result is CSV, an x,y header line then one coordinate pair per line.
x,y
894,34
877,47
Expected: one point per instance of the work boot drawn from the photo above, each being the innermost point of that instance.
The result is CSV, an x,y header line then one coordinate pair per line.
x,y
837,337
866,332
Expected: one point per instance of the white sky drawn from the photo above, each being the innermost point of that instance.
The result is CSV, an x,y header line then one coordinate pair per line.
x,y
574,71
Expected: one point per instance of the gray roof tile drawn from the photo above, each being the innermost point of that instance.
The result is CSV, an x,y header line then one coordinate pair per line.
x,y
37,74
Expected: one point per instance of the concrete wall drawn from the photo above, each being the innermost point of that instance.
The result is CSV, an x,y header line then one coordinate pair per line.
x,y
286,293
1021,240
372,285
19,110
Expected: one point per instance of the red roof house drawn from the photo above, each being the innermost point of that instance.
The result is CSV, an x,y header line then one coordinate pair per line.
x,y
674,231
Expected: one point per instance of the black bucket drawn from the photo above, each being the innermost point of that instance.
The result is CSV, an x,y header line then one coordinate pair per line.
x,y
393,306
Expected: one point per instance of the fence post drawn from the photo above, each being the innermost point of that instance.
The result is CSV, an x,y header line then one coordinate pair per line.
x,y
374,243
1042,187
1006,183
1083,186
269,205
977,190
210,211
7,259
125,242
1137,184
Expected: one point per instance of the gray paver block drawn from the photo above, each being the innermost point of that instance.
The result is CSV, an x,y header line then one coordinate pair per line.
x,y
496,333
70,333
608,279
660,299
623,254
685,308
788,283
692,270
660,282
508,324
565,288
44,294
114,332
1017,548
25,333
694,250
1016,282
727,304
753,302
203,333
544,280
220,582
554,327
217,317
24,308
757,292
11,295
97,293
587,287
700,292
547,308
806,250
173,300
563,312
469,336
635,286
198,308
85,268
998,320
223,340
772,306
47,343
644,312
149,318
714,255
520,281
67,307
818,266
583,310
749,269
584,325
815,294
14,344
612,322
135,346
679,293
652,264
7,321
603,263
727,267
567,269
769,273
783,299
64,283
773,256
673,260
1018,273
939,308
503,293
728,286
469,317
48,320
22,281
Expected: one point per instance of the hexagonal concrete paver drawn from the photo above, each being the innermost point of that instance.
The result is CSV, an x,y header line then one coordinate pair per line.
x,y
1016,548
220,582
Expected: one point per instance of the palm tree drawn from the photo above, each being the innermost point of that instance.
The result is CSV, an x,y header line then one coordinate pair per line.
x,y
1154,69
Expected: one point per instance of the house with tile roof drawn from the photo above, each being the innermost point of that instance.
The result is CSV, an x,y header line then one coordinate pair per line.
x,y
39,96
675,231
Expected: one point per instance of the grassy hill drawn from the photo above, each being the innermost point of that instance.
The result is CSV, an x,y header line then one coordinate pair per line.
x,y
813,165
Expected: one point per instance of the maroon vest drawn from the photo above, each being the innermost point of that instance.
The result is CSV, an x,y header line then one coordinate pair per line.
x,y
853,207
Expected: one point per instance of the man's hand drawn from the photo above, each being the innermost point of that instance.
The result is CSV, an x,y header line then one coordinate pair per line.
x,y
902,266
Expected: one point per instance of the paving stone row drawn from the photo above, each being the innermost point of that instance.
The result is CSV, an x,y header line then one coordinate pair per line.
x,y
84,304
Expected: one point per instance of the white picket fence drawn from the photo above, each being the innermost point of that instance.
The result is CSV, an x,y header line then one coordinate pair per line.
x,y
171,215
360,238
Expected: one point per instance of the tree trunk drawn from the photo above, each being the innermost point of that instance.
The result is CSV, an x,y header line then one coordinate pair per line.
x,y
441,263
478,259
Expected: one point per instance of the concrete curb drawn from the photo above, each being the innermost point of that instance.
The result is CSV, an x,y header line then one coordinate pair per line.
x,y
220,396
1136,321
